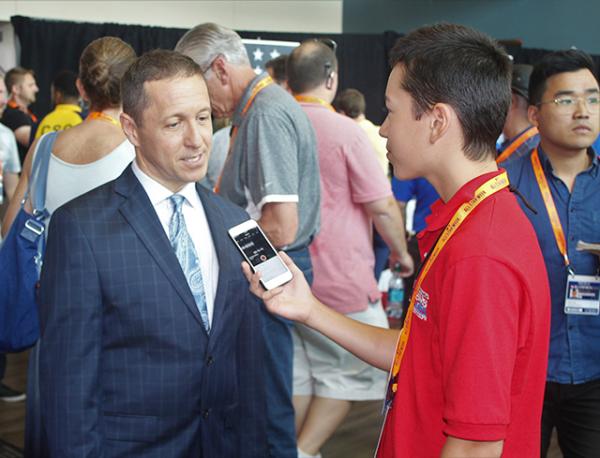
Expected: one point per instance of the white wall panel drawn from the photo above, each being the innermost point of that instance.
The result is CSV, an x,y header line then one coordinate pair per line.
x,y
323,16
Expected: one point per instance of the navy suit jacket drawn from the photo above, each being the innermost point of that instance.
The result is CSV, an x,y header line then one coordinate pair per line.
x,y
126,366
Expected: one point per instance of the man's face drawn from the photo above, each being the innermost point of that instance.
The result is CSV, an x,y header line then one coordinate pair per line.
x,y
173,142
568,128
27,89
3,96
406,136
221,98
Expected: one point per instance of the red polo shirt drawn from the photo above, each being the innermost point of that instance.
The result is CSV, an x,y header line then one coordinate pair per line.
x,y
475,364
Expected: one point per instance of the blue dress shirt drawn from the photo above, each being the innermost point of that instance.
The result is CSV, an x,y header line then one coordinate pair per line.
x,y
574,339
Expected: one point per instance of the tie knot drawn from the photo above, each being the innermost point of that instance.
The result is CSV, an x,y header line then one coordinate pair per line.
x,y
177,200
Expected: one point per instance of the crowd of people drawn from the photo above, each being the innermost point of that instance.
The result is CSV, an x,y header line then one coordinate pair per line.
x,y
153,343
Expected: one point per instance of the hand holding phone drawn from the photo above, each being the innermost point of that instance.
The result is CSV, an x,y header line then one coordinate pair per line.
x,y
293,301
260,254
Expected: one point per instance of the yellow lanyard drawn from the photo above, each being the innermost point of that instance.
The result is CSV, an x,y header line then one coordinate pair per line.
x,y
489,188
510,149
259,87
311,99
103,117
540,177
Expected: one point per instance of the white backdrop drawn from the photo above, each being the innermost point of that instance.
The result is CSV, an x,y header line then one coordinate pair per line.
x,y
324,16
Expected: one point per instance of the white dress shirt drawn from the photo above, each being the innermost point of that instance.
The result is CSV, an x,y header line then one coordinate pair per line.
x,y
196,224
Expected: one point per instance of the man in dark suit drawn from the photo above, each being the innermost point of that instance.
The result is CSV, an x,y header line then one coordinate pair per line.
x,y
151,344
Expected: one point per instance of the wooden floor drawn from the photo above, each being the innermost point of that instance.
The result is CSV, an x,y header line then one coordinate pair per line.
x,y
356,437
12,415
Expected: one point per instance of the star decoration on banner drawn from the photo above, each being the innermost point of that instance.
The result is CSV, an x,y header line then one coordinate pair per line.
x,y
260,51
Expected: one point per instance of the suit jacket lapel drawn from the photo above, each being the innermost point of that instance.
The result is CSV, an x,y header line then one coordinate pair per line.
x,y
140,214
222,244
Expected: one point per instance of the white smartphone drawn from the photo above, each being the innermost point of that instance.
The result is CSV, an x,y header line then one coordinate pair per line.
x,y
260,254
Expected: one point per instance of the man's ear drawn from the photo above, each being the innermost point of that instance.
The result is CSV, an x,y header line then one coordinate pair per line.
x,y
440,118
221,70
130,129
330,81
532,114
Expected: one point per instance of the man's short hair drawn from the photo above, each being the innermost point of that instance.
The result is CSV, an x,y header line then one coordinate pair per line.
x,y
464,68
520,79
279,68
553,63
154,65
15,77
64,82
205,42
351,102
309,65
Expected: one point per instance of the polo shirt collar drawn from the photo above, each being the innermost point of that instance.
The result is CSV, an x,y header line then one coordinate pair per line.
x,y
68,107
592,169
441,212
237,115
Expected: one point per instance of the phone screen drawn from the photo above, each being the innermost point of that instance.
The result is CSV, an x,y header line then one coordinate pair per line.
x,y
260,254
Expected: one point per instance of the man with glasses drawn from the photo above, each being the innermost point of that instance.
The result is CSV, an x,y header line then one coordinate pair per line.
x,y
271,171
561,180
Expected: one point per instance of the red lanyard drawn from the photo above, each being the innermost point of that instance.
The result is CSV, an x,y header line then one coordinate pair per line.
x,y
510,149
259,87
489,188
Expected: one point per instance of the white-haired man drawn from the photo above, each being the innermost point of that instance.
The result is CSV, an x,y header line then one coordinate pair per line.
x,y
272,171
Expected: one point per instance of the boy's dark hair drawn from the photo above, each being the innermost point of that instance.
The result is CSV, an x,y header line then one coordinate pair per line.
x,y
309,65
155,65
64,82
464,68
553,63
351,102
279,67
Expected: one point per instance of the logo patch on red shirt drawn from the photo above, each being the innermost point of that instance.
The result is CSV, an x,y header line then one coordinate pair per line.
x,y
420,308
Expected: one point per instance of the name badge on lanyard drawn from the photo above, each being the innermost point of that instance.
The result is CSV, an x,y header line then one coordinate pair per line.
x,y
583,295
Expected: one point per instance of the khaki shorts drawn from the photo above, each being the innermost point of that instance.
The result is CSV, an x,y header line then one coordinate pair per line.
x,y
324,369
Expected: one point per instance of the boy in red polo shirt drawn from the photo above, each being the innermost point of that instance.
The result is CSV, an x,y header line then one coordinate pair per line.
x,y
469,366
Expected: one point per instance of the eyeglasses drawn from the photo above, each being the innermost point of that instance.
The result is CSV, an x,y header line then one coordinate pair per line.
x,y
331,45
567,103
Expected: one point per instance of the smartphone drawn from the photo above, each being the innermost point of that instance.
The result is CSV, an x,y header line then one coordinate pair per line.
x,y
260,254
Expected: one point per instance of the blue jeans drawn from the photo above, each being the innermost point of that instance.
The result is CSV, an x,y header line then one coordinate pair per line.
x,y
382,253
281,431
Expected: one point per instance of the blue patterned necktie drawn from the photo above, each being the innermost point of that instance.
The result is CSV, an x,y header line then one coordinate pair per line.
x,y
186,254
